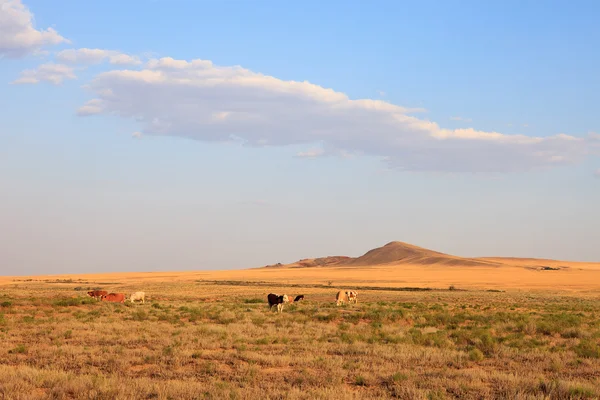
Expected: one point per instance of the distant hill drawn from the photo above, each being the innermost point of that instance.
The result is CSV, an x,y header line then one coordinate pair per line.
x,y
314,262
404,253
393,253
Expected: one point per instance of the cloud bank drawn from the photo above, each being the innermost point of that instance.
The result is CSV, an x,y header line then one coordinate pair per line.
x,y
18,36
96,56
198,100
202,101
50,72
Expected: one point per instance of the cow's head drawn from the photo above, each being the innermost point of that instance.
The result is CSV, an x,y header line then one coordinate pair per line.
x,y
90,293
285,298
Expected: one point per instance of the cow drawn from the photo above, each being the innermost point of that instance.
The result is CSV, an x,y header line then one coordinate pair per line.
x,y
114,297
349,296
341,297
97,294
299,297
275,299
352,296
137,296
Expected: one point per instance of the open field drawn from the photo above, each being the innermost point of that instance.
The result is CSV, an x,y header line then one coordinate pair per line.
x,y
584,278
197,338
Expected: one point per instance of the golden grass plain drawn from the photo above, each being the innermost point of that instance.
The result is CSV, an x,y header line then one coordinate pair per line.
x,y
501,332
515,274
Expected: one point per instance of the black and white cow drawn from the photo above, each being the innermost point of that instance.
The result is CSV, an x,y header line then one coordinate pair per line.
x,y
275,299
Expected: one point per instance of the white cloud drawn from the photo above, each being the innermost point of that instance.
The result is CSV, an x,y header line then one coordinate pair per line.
x,y
18,36
597,173
96,56
124,59
137,135
50,72
461,119
92,107
198,100
311,153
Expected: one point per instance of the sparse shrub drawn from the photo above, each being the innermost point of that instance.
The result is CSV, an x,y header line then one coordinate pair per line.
x,y
240,347
323,317
20,349
376,325
353,318
263,341
587,349
139,315
360,380
581,392
226,317
398,377
209,368
476,355
572,333
436,395
168,350
5,304
74,301
253,301
68,334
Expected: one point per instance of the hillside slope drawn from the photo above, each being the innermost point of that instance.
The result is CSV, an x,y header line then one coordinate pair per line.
x,y
393,253
405,253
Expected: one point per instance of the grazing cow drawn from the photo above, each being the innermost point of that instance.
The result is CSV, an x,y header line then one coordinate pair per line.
x,y
114,297
97,294
275,299
350,296
299,297
137,296
341,297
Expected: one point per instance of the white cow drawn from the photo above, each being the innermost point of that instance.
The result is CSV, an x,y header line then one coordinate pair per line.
x,y
137,296
341,297
349,296
280,305
352,296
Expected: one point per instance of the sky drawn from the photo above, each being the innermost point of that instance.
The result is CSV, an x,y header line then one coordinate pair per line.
x,y
155,135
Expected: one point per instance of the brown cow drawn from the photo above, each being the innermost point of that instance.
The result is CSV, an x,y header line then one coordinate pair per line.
x,y
97,294
114,297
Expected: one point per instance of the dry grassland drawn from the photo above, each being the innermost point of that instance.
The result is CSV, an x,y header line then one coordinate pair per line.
x,y
203,339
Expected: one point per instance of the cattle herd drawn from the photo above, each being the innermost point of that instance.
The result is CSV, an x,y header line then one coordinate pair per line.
x,y
343,296
103,295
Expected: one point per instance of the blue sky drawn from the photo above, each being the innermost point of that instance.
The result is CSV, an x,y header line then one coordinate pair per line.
x,y
467,127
